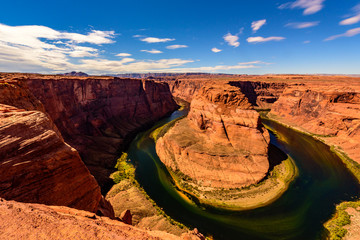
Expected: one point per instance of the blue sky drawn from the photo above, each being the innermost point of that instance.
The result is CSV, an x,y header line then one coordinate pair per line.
x,y
251,37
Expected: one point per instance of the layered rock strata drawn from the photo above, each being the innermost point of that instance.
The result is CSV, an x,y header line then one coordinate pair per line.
x,y
330,111
221,143
98,116
261,94
36,165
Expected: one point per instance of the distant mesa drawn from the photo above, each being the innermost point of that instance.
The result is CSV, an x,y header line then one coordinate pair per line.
x,y
76,74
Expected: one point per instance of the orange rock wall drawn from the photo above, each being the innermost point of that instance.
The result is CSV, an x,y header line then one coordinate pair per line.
x,y
99,116
330,109
36,165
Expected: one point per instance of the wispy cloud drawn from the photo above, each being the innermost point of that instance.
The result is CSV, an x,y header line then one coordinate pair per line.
x,y
216,50
309,6
300,25
153,51
176,46
306,42
123,55
232,40
40,47
156,40
45,50
256,25
262,39
101,66
349,33
219,68
354,19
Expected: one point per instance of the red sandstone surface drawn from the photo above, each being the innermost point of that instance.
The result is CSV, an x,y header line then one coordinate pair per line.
x,y
98,116
36,165
36,222
221,143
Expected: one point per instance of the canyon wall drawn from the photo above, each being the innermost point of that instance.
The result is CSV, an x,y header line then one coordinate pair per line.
x,y
99,116
36,165
221,143
329,110
261,94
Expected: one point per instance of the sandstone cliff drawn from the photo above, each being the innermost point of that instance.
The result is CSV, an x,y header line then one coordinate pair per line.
x,y
36,165
330,109
222,142
261,94
98,116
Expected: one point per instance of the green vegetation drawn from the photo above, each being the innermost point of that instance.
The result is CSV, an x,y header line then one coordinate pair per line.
x,y
250,197
353,166
126,171
340,219
160,131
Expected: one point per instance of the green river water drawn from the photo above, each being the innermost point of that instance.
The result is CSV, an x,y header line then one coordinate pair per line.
x,y
299,213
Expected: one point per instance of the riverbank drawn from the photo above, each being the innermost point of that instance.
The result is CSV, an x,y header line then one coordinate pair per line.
x,y
128,194
351,165
340,225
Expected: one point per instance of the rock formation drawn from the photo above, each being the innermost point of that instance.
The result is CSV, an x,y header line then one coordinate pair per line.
x,y
222,142
324,109
36,165
36,221
99,116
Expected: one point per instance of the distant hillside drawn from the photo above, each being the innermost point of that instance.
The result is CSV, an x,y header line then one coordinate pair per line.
x,y
76,74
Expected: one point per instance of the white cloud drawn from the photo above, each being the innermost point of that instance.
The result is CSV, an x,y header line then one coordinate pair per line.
x,y
216,50
176,46
309,6
100,66
262,39
40,47
156,40
300,25
153,51
353,19
306,42
219,68
349,33
256,25
123,55
232,40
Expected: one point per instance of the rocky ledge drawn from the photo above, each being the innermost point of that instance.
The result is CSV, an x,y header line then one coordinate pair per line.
x,y
36,221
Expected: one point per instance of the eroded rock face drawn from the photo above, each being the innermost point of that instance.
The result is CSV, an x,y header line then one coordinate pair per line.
x,y
261,94
325,109
36,165
221,143
36,221
98,116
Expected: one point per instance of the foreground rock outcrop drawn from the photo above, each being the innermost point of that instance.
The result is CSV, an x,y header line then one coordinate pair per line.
x,y
36,165
98,116
36,221
222,142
